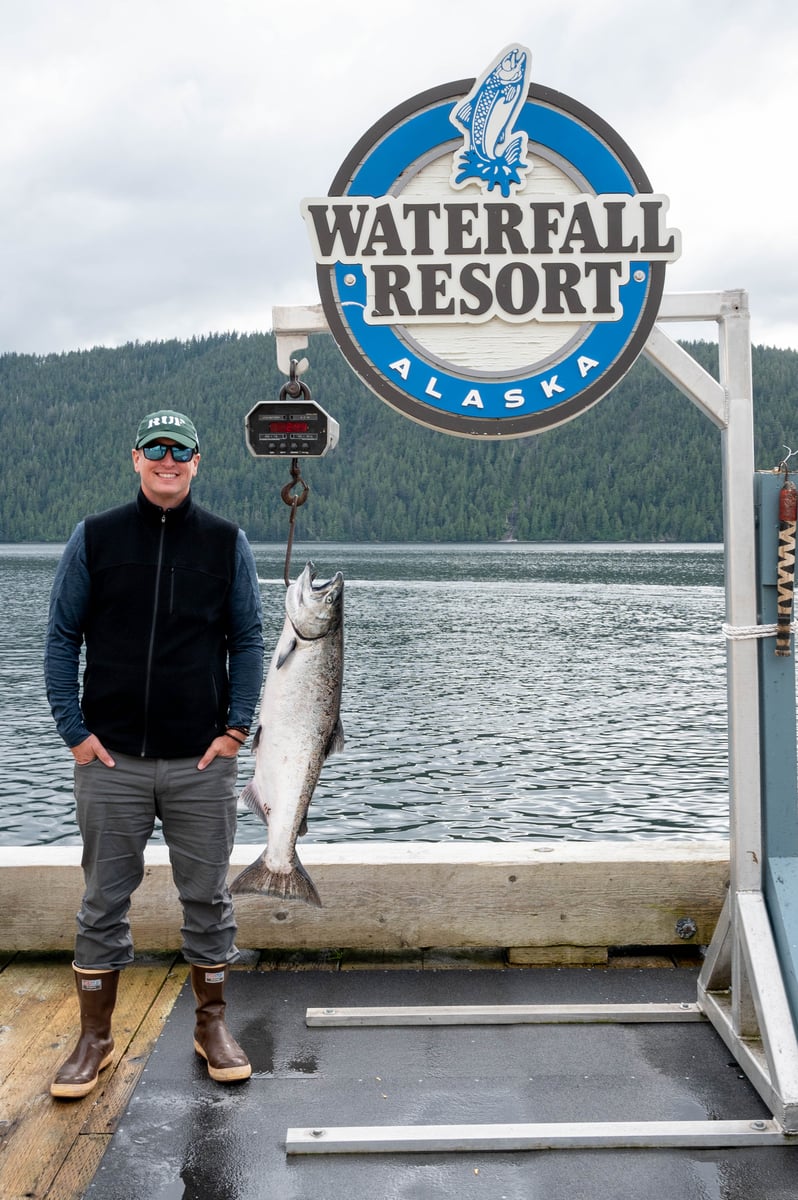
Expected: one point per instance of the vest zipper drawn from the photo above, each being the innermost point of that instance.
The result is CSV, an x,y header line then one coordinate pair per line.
x,y
151,648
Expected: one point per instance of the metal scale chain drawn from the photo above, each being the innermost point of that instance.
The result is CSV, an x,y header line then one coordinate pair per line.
x,y
295,500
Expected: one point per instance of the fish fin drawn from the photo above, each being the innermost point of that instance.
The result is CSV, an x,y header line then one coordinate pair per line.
x,y
251,798
512,153
258,878
256,738
337,740
511,94
303,827
283,658
465,112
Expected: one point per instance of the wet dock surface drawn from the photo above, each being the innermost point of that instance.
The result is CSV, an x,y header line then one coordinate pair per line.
x,y
184,1137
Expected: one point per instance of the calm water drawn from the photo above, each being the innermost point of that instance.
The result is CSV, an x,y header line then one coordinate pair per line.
x,y
491,692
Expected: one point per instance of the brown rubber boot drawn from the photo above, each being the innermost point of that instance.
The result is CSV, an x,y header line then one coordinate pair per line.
x,y
212,1039
96,997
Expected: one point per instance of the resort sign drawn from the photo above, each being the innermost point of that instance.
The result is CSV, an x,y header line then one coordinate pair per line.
x,y
491,257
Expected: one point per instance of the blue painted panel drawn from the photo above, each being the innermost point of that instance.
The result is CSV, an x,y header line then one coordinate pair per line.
x,y
779,769
781,881
779,766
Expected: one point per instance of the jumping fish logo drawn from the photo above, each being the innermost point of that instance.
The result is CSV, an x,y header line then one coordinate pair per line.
x,y
491,255
494,153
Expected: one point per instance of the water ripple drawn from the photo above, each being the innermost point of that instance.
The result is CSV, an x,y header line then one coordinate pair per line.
x,y
491,693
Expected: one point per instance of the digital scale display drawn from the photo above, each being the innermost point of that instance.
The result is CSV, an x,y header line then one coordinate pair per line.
x,y
290,429
281,427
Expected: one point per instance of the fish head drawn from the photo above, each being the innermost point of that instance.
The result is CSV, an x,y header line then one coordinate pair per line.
x,y
315,609
512,67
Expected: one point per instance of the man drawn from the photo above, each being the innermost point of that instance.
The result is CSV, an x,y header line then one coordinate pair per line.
x,y
165,596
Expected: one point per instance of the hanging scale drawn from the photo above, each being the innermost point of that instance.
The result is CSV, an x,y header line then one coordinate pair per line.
x,y
293,426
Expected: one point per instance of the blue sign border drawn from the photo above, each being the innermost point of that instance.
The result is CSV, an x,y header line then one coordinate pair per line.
x,y
433,392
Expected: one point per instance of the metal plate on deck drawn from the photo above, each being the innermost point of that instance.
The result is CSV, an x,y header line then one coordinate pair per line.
x,y
184,1137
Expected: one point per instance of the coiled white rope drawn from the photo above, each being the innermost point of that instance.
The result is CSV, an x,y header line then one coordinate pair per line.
x,y
738,633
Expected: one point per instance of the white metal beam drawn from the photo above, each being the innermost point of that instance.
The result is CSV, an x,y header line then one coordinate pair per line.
x,y
397,1139
688,375
503,1014
770,999
716,972
737,444
700,306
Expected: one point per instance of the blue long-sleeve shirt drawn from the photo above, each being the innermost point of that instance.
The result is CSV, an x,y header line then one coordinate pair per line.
x,y
69,604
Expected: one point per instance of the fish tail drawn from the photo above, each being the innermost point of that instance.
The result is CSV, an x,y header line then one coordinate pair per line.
x,y
297,885
251,878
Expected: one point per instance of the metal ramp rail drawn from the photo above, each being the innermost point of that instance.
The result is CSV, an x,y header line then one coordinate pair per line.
x,y
748,986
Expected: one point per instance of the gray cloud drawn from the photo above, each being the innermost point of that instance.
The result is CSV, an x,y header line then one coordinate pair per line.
x,y
154,155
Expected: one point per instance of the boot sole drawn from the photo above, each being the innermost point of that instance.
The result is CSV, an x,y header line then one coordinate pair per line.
x,y
224,1074
74,1091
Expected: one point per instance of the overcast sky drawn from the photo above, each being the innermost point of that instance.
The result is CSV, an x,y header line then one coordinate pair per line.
x,y
153,155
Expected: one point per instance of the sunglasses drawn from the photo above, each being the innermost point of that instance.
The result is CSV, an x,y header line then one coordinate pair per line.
x,y
181,454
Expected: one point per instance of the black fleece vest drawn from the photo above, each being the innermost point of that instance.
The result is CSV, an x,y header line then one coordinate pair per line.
x,y
156,682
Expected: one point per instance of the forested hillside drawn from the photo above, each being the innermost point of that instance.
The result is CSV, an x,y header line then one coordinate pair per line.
x,y
643,465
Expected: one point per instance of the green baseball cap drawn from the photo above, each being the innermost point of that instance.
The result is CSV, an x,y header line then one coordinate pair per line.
x,y
167,424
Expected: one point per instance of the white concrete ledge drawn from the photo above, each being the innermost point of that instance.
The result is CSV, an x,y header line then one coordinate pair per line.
x,y
406,895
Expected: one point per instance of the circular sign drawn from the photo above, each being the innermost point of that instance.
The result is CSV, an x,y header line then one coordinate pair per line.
x,y
491,258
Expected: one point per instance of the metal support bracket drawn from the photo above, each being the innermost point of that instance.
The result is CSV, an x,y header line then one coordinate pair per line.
x,y
291,327
767,1051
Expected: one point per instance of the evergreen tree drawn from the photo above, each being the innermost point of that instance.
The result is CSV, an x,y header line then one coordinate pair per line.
x,y
642,465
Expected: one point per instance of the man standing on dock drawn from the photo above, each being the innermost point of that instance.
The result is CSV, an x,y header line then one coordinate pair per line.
x,y
165,596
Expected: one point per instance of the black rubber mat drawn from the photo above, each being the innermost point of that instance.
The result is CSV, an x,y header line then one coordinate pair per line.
x,y
184,1137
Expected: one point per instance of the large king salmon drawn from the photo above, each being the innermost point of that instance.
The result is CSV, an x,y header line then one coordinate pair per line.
x,y
299,724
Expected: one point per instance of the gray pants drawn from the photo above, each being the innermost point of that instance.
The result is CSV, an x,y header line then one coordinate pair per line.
x,y
116,810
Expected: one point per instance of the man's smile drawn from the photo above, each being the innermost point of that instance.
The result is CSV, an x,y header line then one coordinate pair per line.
x,y
165,482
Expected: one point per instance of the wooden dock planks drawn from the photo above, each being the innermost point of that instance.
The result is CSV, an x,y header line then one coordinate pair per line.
x,y
50,1150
